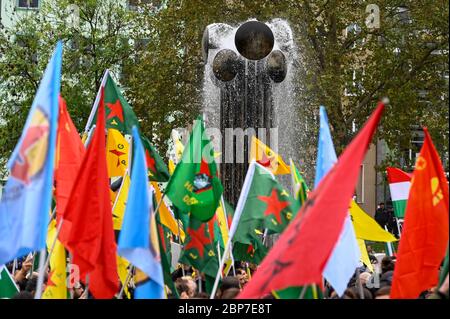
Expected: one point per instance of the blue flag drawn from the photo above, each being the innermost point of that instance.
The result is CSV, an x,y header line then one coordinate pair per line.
x,y
25,204
346,254
138,241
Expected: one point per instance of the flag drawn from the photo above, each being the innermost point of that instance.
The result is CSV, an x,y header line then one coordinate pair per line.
x,y
8,286
222,222
157,169
299,256
120,202
301,190
116,153
425,230
91,239
444,270
69,154
266,157
346,254
195,186
56,287
123,268
200,249
138,240
165,215
399,184
366,227
265,205
26,197
364,254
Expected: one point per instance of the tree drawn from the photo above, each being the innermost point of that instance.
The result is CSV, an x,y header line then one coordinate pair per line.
x,y
155,54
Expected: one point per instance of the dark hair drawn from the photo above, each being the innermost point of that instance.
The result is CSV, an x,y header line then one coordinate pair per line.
x,y
386,290
202,295
387,264
356,292
230,293
23,295
229,282
181,285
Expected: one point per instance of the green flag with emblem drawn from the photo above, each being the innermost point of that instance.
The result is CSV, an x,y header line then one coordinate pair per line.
x,y
195,187
157,169
266,206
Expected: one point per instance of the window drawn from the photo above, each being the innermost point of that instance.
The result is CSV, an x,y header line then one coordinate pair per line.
x,y
26,4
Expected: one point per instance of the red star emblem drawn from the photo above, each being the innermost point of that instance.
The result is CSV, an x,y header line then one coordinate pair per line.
x,y
116,110
265,160
250,250
150,161
118,154
161,237
198,239
274,205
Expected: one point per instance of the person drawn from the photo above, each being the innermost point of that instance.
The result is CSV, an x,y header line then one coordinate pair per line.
x,y
242,276
186,287
228,282
383,293
381,216
230,293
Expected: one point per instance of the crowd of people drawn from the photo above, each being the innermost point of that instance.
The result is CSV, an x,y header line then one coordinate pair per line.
x,y
190,284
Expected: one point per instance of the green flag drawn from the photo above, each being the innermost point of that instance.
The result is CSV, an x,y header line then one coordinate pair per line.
x,y
194,186
311,292
200,246
157,169
266,205
8,287
300,188
119,114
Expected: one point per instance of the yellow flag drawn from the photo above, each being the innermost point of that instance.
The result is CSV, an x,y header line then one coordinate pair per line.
x,y
56,285
116,153
165,215
220,215
171,166
122,270
179,148
366,227
364,255
267,158
120,203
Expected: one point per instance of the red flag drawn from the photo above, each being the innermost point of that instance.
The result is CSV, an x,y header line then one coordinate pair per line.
x,y
69,154
91,239
425,230
300,255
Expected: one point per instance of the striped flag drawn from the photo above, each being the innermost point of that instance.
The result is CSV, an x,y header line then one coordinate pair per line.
x,y
399,184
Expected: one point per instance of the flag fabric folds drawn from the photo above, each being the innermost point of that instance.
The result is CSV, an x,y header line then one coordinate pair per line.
x,y
26,197
399,184
346,254
301,189
425,235
299,256
120,202
267,158
366,228
195,186
138,240
91,238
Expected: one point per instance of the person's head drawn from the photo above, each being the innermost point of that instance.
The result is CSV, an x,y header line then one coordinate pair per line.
x,y
186,287
383,293
23,295
364,277
387,264
228,282
381,205
32,283
230,293
242,276
201,295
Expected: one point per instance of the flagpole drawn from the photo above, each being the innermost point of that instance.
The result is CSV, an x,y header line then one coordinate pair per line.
x,y
40,282
234,222
303,292
224,209
97,100
125,283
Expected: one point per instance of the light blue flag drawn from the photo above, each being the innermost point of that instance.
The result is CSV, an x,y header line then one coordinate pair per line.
x,y
346,254
138,241
26,199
